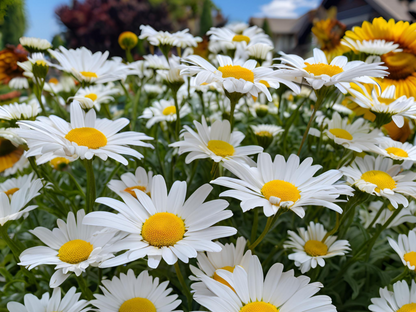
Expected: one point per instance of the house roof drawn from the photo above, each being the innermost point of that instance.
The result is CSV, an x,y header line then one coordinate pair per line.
x,y
391,9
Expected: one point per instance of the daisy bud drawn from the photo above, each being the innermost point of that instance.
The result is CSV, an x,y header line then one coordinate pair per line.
x,y
127,40
40,69
261,110
60,163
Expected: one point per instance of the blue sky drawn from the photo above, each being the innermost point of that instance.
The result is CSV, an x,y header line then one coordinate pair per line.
x,y
43,23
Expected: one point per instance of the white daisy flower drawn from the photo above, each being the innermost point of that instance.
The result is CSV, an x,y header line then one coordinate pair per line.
x,y
238,27
35,58
378,176
72,247
64,84
385,103
278,291
374,47
69,303
19,83
401,299
153,90
280,184
165,225
239,77
84,137
395,149
163,111
11,152
129,182
156,62
18,111
140,69
405,248
309,249
130,293
33,44
357,136
368,215
227,259
89,67
15,194
216,142
183,39
266,130
172,75
259,51
318,73
95,95
156,38
230,40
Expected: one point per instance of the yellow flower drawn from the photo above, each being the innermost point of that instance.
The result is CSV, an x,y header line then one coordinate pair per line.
x,y
402,65
127,40
329,33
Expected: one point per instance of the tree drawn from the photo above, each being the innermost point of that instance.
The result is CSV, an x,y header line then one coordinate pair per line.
x,y
12,21
206,17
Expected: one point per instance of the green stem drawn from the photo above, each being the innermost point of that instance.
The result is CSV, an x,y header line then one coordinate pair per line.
x,y
400,276
106,110
135,106
90,185
178,118
377,216
333,230
38,93
84,287
12,245
320,98
129,57
373,240
109,178
185,289
269,223
255,224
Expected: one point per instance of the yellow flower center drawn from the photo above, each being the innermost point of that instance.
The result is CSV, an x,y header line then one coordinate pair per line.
x,y
131,189
89,137
265,83
75,251
58,163
380,178
397,152
341,133
92,96
221,148
137,305
54,81
259,306
220,279
9,154
240,38
163,229
386,101
11,191
264,133
286,191
237,72
410,257
410,307
41,63
315,248
88,74
323,69
169,110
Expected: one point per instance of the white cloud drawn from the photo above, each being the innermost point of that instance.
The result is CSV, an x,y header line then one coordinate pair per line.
x,y
287,8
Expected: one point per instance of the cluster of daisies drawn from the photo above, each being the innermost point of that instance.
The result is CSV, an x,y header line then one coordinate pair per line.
x,y
201,146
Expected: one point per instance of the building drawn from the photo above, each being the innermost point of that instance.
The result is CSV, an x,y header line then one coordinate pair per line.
x,y
294,35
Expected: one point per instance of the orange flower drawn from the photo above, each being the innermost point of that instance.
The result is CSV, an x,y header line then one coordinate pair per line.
x,y
396,133
329,33
8,63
